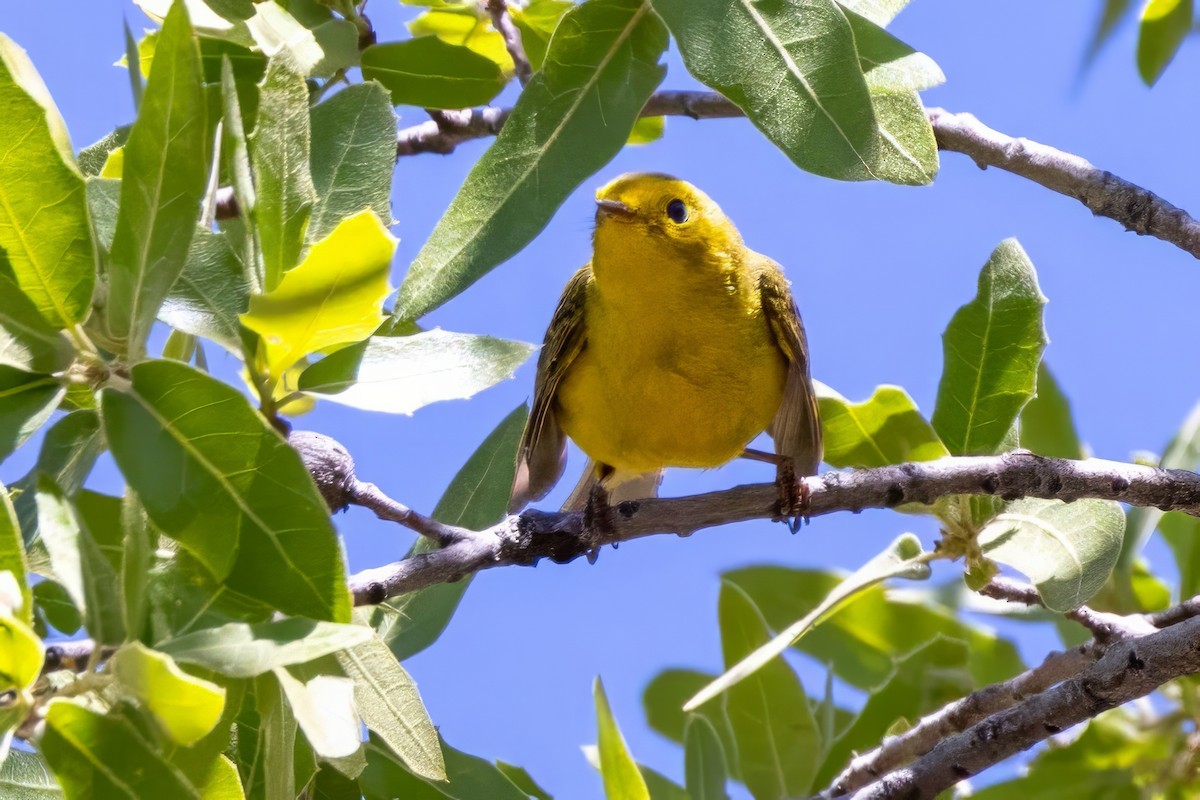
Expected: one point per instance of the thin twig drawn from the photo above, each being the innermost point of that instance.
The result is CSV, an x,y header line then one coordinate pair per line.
x,y
1127,670
561,536
502,21
1105,626
371,496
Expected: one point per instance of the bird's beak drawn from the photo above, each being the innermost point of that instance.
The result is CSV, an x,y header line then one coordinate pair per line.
x,y
613,208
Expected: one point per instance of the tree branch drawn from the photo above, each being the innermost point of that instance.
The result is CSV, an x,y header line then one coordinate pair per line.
x,y
1102,192
502,21
958,716
1128,670
562,537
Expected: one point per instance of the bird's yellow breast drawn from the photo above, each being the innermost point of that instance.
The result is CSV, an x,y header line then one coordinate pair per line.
x,y
679,371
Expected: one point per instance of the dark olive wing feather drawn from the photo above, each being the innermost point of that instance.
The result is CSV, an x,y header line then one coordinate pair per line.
x,y
542,455
796,428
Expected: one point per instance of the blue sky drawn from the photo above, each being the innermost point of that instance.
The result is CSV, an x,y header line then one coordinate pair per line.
x,y
877,270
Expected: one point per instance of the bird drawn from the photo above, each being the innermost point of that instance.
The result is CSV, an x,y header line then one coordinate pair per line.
x,y
675,346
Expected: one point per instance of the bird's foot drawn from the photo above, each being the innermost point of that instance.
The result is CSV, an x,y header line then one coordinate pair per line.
x,y
597,520
793,495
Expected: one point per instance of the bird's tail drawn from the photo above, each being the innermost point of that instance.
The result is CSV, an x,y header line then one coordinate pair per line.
x,y
621,486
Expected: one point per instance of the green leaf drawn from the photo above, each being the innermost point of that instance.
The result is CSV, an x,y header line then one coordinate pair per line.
x,y
211,292
704,768
903,558
279,148
277,740
1164,26
992,349
646,130
1182,452
139,542
27,341
881,12
399,374
26,402
79,564
1182,534
864,638
333,298
43,210
103,756
466,778
25,776
430,73
792,68
663,700
164,178
236,152
214,475
244,651
923,681
1066,549
622,779
91,158
1047,427
185,706
778,743
476,497
21,659
572,118
12,557
536,21
660,786
390,706
885,429
906,151
1113,13
887,62
523,780
353,157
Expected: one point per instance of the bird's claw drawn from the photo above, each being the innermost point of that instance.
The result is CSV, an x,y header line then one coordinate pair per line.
x,y
793,498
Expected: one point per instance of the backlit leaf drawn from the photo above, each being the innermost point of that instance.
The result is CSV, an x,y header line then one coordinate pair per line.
x,y
622,779
43,210
12,558
334,297
466,24
703,760
187,707
887,428
1164,26
25,776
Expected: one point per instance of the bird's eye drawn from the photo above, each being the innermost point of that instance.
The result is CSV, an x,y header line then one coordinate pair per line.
x,y
677,211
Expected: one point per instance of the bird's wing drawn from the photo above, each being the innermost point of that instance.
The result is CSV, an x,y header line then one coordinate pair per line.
x,y
543,451
796,428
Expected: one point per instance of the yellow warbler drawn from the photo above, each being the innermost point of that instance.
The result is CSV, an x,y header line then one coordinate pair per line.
x,y
674,347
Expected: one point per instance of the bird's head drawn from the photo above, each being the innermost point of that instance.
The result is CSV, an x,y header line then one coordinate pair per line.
x,y
651,215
